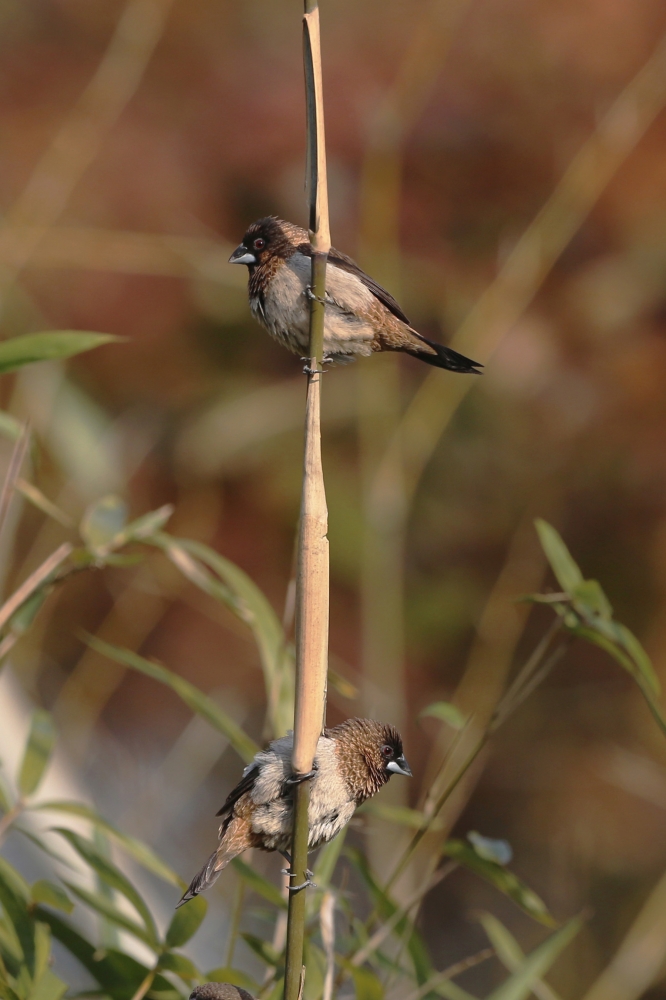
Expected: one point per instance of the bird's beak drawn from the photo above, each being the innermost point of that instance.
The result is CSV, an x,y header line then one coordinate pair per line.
x,y
399,766
242,255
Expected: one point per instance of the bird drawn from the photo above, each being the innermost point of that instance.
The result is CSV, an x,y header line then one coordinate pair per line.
x,y
361,317
219,991
353,760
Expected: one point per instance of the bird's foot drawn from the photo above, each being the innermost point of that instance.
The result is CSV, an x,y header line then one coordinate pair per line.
x,y
296,779
291,874
304,885
311,371
310,294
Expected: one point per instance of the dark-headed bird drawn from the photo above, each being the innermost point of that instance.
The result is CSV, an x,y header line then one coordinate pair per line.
x,y
219,991
352,762
361,317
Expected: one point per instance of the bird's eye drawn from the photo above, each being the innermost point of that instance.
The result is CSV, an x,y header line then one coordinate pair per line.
x,y
387,752
259,244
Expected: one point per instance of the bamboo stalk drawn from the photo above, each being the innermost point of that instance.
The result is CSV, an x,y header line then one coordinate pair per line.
x,y
312,562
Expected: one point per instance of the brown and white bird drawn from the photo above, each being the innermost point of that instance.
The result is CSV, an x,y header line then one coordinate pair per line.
x,y
361,317
219,991
352,762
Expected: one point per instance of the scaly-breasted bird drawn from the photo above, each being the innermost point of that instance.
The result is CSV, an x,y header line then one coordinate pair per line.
x,y
361,317
219,991
352,762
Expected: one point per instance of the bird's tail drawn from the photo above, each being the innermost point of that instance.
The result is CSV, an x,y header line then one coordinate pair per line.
x,y
443,357
210,872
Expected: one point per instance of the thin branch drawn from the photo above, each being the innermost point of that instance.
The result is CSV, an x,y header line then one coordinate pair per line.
x,y
13,471
453,970
40,575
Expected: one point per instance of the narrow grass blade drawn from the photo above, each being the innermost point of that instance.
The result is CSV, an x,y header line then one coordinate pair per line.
x,y
30,347
37,752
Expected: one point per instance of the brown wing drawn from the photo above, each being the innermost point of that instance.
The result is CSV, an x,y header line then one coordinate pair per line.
x,y
243,786
346,263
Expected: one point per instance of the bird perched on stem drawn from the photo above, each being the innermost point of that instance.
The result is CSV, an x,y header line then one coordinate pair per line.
x,y
352,762
361,317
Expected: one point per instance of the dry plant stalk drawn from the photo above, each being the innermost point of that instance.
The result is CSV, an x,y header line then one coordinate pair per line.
x,y
312,564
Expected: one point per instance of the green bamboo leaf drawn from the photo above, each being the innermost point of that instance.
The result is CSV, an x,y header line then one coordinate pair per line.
x,y
327,859
259,884
118,974
102,904
37,752
5,797
49,987
47,892
401,815
589,599
264,949
102,522
233,587
112,876
46,848
42,949
10,946
195,699
562,564
15,899
144,527
508,950
10,427
135,848
519,984
185,922
225,974
366,984
182,966
501,878
56,344
447,988
445,712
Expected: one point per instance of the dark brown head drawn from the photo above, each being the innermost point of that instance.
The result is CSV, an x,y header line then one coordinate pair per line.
x,y
370,752
219,991
266,239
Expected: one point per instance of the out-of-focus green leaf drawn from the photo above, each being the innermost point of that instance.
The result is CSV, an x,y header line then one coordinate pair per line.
x,y
259,884
327,859
182,966
37,752
5,797
508,950
135,848
185,922
191,695
41,502
49,987
47,892
42,949
386,908
491,850
566,571
339,683
112,876
447,988
233,587
366,984
400,815
225,974
15,898
264,949
43,846
118,974
519,984
501,878
145,526
10,427
22,619
101,904
102,522
47,346
445,712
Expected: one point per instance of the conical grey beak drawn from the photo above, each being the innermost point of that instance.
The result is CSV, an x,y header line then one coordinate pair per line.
x,y
399,766
242,255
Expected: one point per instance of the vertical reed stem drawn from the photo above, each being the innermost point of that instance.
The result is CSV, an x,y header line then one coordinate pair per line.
x,y
312,566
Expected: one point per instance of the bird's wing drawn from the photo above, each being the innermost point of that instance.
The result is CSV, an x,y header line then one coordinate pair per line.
x,y
345,263
244,785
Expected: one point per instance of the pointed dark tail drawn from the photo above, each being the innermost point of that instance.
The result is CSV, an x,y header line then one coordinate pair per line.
x,y
446,357
206,877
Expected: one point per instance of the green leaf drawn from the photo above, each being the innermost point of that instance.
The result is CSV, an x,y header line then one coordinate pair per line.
x,y
144,527
135,848
501,878
563,566
366,984
182,966
233,587
445,712
42,949
508,950
15,898
225,974
47,892
401,815
49,987
56,344
590,599
10,427
264,949
5,797
327,859
259,884
519,985
191,695
102,904
498,851
37,752
38,842
102,521
447,988
112,876
186,922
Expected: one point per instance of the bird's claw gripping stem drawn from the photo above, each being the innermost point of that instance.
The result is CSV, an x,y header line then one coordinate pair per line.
x,y
311,371
309,294
296,779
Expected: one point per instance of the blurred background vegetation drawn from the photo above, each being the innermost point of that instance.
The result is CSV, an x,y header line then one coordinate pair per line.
x,y
499,166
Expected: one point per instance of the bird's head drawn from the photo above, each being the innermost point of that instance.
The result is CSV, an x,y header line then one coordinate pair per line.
x,y
267,239
369,752
219,991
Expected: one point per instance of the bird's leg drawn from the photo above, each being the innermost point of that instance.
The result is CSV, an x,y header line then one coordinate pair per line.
x,y
292,874
309,294
295,779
